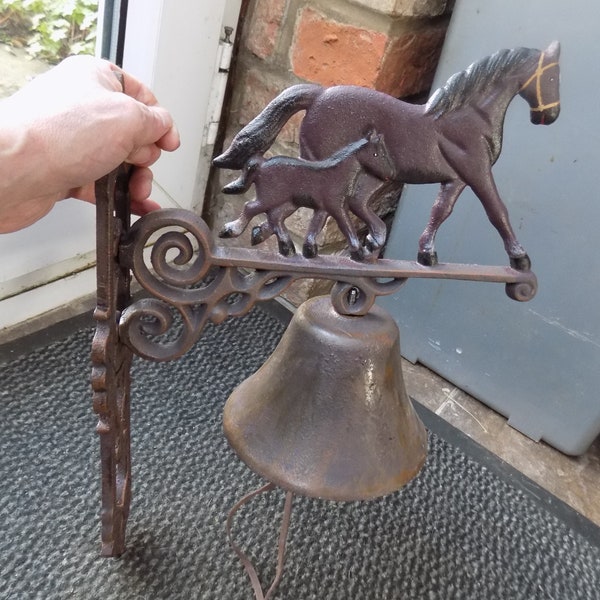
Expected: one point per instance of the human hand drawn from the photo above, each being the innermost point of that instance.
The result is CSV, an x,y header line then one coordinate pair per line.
x,y
69,127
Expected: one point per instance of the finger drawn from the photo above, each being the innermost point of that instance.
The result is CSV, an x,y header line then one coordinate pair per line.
x,y
135,88
171,140
86,192
151,125
159,127
144,156
143,207
140,184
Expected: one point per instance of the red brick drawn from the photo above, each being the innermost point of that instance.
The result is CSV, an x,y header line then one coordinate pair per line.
x,y
410,61
328,52
406,8
265,27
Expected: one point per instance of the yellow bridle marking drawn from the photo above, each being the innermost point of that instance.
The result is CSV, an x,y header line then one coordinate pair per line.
x,y
537,75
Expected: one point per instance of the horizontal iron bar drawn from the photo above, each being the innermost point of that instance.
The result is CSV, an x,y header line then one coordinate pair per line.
x,y
382,268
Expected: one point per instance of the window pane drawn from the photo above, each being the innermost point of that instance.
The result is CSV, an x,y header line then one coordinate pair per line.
x,y
37,34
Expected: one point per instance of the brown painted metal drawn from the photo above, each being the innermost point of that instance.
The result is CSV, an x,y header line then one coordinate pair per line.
x,y
454,140
111,360
351,433
210,283
328,415
204,283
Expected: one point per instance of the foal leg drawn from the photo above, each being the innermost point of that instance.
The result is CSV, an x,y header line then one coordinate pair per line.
x,y
309,248
264,230
368,190
377,229
284,239
236,228
261,232
440,211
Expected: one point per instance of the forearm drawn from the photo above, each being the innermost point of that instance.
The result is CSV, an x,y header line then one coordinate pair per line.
x,y
23,171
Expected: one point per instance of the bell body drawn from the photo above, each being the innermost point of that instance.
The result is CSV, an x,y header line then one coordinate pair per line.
x,y
328,415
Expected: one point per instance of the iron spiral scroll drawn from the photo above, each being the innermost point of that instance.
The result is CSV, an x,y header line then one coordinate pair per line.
x,y
192,281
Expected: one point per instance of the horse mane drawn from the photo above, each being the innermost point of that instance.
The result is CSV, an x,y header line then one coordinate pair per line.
x,y
476,79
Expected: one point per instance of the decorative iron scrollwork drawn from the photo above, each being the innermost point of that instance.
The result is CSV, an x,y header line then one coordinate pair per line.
x,y
193,281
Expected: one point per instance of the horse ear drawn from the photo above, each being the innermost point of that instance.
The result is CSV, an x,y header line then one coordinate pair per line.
x,y
553,49
371,135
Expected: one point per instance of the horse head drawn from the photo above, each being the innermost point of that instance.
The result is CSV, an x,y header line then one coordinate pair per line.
x,y
541,89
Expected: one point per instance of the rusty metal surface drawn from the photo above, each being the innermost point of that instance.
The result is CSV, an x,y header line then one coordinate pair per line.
x,y
192,281
189,276
111,361
351,433
454,140
328,415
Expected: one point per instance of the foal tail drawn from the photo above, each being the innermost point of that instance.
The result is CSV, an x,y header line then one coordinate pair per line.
x,y
258,136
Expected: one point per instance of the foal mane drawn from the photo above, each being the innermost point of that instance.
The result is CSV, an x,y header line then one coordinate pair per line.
x,y
331,161
476,79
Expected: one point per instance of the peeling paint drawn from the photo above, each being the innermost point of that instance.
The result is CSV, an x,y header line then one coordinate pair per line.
x,y
578,335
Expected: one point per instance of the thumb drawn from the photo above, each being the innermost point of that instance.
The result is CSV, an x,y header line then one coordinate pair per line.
x,y
155,123
155,131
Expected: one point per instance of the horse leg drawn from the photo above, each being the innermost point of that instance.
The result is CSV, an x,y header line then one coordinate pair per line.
x,y
497,213
440,211
236,228
368,191
317,222
342,218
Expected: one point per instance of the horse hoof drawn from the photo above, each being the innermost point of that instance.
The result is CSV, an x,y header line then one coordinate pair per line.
x,y
256,237
520,263
427,259
226,232
357,255
309,251
287,249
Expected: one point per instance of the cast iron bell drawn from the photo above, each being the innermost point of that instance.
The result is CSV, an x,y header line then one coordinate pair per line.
x,y
328,415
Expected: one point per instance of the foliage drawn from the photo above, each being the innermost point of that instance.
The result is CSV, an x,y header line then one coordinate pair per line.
x,y
49,29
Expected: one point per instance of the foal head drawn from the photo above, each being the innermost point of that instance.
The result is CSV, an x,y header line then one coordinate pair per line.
x,y
374,157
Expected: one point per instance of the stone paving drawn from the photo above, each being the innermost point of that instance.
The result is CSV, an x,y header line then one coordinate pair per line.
x,y
16,69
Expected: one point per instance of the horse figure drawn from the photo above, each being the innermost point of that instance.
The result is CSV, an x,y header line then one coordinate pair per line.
x,y
454,139
283,184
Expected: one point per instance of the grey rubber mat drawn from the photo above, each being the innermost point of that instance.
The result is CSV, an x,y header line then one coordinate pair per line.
x,y
458,531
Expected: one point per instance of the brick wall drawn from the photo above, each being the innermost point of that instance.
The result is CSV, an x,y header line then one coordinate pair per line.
x,y
389,45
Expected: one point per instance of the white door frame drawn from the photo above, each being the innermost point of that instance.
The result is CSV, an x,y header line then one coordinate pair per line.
x,y
175,46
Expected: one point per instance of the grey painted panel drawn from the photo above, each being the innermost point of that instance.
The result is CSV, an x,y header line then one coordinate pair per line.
x,y
538,363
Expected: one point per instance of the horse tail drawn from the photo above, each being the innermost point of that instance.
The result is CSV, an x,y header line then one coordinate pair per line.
x,y
246,179
258,136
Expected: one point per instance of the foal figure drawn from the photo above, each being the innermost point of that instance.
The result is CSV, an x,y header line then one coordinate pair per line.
x,y
283,184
